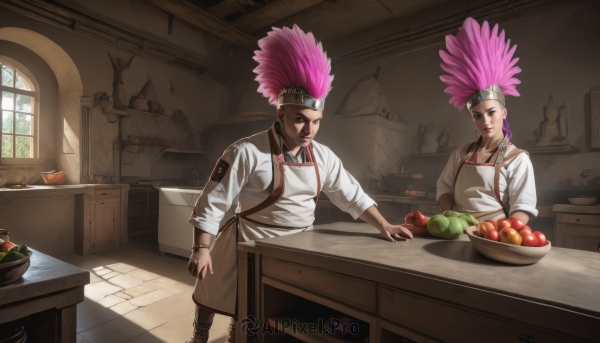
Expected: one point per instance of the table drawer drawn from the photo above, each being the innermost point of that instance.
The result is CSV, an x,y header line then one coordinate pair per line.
x,y
348,290
453,324
581,219
107,192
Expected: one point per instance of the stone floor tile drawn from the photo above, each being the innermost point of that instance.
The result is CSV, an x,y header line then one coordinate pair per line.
x,y
141,289
150,298
97,291
80,339
125,281
123,295
145,320
110,300
110,275
121,267
115,331
170,308
143,275
123,307
90,315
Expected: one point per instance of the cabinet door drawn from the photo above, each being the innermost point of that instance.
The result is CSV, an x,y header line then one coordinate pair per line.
x,y
105,228
582,243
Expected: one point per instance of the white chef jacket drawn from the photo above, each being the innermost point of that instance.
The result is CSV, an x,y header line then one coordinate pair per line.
x,y
517,183
248,179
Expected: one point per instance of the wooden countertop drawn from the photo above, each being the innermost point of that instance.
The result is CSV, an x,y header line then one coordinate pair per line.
x,y
566,278
49,190
45,275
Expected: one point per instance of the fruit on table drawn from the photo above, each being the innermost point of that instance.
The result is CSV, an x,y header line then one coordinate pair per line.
x,y
12,256
416,218
2,255
22,248
529,239
6,246
445,227
483,227
525,228
492,234
493,222
541,237
450,214
504,223
468,218
463,222
516,223
510,236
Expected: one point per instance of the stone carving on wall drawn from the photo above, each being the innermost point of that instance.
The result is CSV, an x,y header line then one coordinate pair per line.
x,y
184,126
552,134
119,95
366,98
147,99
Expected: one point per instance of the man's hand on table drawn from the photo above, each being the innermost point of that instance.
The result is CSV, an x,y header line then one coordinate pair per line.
x,y
395,233
200,262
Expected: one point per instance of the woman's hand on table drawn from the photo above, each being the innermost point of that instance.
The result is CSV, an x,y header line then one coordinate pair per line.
x,y
200,263
395,233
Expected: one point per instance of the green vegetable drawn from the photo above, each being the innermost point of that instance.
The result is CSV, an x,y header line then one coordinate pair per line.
x,y
21,248
12,256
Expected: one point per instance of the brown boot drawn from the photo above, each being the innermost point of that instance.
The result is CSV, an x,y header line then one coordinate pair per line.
x,y
202,324
231,331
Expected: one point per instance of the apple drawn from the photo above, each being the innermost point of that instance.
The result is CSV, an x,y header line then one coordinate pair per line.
x,y
492,234
504,223
542,239
529,239
516,223
416,218
6,246
525,228
510,236
483,227
493,222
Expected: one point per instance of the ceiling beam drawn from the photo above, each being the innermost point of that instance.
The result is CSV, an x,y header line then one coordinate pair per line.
x,y
272,13
198,17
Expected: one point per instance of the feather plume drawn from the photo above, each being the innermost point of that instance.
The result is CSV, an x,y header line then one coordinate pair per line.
x,y
478,58
292,58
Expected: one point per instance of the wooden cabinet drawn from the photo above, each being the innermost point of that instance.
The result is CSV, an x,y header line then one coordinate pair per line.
x,y
106,222
595,100
578,231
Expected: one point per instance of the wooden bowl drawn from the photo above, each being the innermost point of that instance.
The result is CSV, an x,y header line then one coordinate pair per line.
x,y
56,178
12,271
584,200
507,253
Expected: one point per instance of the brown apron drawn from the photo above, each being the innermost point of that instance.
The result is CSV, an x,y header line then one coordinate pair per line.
x,y
288,209
476,180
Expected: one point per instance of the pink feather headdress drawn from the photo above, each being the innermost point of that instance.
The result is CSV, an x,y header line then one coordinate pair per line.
x,y
478,59
293,68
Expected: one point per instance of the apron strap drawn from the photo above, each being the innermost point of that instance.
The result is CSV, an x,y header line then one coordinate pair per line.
x,y
500,160
313,159
470,153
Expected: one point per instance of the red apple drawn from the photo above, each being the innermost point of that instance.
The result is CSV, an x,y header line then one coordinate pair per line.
x,y
542,239
493,222
416,218
529,239
492,234
516,223
510,236
483,227
525,228
504,223
6,246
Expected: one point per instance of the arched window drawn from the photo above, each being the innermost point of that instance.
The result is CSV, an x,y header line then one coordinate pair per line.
x,y
19,112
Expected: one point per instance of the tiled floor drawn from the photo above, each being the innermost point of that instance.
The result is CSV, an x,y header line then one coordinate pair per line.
x,y
136,295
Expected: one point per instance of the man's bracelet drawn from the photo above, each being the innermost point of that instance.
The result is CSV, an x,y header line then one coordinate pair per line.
x,y
197,247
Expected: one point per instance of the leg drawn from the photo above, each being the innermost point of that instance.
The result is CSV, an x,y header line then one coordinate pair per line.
x,y
202,324
231,331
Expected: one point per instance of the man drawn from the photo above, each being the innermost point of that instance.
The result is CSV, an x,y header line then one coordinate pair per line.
x,y
274,177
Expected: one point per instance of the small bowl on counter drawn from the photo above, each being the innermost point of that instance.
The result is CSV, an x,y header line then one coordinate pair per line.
x,y
12,271
584,200
54,177
507,253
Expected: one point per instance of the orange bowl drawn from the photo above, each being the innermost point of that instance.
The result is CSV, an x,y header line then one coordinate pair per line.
x,y
55,178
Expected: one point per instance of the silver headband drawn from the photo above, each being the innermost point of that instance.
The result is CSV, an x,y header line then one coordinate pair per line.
x,y
298,96
493,92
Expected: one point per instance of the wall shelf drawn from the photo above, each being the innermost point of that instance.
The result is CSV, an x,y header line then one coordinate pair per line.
x,y
557,150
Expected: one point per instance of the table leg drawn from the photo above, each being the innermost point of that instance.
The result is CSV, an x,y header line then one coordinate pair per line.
x,y
68,324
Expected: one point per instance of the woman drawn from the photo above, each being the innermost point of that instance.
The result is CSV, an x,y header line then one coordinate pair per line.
x,y
490,178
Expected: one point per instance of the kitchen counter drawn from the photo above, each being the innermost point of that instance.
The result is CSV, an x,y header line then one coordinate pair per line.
x,y
556,298
49,190
568,208
48,292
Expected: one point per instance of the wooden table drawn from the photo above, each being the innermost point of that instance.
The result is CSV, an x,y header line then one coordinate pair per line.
x,y
45,299
424,290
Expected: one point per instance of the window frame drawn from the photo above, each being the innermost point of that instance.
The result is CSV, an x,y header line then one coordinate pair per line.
x,y
19,161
